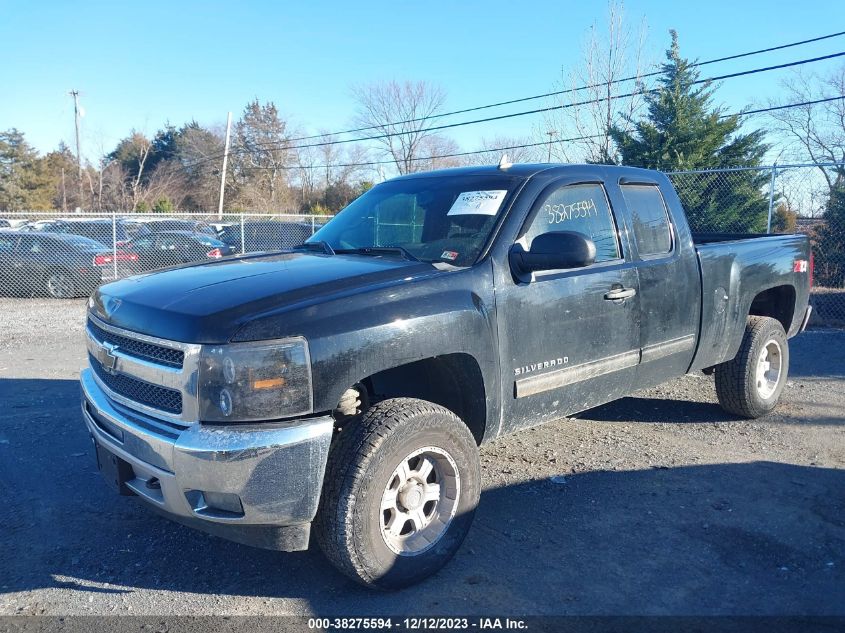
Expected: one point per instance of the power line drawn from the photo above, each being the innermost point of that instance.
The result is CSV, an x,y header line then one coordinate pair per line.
x,y
570,90
791,105
281,146
542,143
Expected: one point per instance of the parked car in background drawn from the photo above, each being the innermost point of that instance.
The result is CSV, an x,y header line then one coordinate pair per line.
x,y
5,224
99,230
219,227
35,225
194,226
170,248
60,266
266,235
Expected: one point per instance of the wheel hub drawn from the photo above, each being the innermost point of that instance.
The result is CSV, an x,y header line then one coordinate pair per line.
x,y
411,496
769,367
419,501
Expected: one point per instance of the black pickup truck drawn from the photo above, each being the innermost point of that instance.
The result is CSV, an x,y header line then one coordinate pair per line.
x,y
344,386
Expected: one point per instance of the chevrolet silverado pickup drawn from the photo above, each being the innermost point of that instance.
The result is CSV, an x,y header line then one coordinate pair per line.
x,y
343,387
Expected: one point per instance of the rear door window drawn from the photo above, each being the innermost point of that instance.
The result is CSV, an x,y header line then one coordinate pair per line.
x,y
652,229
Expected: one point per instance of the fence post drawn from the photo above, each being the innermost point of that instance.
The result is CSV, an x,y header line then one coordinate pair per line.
x,y
243,240
313,226
771,197
114,241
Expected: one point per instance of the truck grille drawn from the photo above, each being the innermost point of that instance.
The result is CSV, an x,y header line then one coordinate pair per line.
x,y
139,349
163,398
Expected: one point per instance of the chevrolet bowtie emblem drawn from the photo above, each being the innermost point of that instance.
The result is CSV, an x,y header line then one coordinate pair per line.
x,y
107,358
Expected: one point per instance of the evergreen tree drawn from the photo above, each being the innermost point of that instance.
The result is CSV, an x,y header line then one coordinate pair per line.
x,y
830,245
683,131
24,184
64,189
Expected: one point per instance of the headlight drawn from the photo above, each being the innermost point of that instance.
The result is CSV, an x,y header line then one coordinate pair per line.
x,y
246,382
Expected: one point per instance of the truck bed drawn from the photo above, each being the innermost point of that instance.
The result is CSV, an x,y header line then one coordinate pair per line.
x,y
710,238
737,270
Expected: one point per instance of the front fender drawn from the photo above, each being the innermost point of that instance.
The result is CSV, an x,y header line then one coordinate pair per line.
x,y
351,338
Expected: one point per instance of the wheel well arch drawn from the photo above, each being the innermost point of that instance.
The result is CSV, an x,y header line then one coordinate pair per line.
x,y
453,381
777,302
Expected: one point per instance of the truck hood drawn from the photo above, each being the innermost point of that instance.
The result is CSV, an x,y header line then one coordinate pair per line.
x,y
208,303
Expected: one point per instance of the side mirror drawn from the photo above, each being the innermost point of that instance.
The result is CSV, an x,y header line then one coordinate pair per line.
x,y
554,251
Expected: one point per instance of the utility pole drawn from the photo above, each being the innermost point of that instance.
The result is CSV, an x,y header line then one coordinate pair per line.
x,y
75,95
225,160
550,134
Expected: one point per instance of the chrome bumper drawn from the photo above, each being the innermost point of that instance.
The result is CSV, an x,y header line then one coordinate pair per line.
x,y
242,482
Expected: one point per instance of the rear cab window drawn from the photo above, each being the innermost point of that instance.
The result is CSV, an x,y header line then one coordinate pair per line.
x,y
582,208
649,218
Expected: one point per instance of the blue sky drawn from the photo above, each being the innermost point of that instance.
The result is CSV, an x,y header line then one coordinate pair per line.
x,y
140,65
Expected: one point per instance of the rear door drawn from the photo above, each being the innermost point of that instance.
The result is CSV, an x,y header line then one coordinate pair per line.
x,y
569,339
669,284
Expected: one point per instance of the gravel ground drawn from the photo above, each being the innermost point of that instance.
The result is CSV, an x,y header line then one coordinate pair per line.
x,y
660,504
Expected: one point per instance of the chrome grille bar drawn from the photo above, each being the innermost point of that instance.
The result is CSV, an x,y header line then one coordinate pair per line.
x,y
139,372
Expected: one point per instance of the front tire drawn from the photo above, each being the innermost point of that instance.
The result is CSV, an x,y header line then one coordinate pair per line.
x,y
750,385
59,284
400,492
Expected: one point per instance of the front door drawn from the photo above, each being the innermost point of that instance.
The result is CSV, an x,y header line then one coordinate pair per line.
x,y
569,338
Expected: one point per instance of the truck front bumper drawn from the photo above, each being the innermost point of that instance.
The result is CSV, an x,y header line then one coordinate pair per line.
x,y
257,484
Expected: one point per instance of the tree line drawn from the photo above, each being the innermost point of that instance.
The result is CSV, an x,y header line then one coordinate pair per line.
x,y
677,124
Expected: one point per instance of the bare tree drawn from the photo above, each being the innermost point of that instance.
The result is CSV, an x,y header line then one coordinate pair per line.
x,y
491,151
142,146
327,163
398,116
436,152
817,130
594,101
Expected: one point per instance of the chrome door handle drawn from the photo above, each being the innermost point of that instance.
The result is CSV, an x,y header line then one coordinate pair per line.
x,y
620,293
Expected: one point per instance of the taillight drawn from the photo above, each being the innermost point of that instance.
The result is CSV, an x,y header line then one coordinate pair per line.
x,y
102,260
215,253
812,266
123,256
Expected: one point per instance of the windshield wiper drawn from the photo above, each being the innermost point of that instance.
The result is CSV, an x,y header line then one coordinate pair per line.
x,y
319,245
380,250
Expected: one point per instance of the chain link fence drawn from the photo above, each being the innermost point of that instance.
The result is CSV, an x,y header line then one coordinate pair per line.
x,y
64,255
778,199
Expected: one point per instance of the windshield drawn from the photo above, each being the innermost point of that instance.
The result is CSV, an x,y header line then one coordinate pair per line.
x,y
435,219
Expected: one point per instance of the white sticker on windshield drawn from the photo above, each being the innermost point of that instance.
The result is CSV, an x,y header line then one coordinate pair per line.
x,y
478,203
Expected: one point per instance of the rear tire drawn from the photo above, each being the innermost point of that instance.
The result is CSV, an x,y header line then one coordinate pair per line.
x,y
386,518
750,385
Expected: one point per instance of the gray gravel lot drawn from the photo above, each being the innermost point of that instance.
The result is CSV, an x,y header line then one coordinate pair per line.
x,y
667,505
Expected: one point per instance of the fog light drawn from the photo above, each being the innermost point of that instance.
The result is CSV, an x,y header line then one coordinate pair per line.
x,y
215,504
